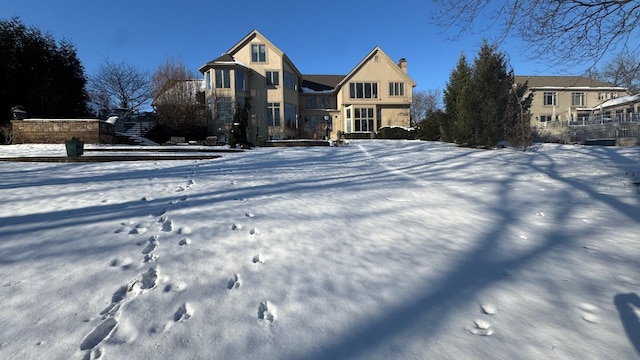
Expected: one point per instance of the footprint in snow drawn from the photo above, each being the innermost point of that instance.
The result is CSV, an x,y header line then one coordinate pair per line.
x,y
149,279
152,244
257,259
138,230
589,312
98,334
123,263
93,354
184,312
254,231
488,309
249,214
185,241
234,282
481,328
266,312
236,227
167,226
185,230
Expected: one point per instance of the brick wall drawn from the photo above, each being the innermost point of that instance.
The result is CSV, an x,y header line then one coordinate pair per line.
x,y
56,131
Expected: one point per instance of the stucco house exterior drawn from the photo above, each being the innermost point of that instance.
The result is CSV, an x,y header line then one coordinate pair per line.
x,y
567,99
286,104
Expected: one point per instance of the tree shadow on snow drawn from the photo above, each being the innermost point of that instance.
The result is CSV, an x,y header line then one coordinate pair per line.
x,y
625,304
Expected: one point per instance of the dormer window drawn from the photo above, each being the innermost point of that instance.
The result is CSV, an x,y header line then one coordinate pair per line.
x,y
258,53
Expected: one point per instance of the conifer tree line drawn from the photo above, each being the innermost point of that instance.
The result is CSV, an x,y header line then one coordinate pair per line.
x,y
43,76
483,104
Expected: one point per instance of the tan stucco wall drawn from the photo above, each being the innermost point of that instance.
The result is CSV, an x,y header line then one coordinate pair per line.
x,y
563,102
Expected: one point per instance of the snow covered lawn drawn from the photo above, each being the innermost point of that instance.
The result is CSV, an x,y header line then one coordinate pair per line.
x,y
375,250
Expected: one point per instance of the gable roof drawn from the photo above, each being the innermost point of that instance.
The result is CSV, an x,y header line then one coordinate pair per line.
x,y
565,82
366,59
252,35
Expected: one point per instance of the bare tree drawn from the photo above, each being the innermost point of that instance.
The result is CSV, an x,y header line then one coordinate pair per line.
x,y
119,84
562,32
178,98
424,103
622,70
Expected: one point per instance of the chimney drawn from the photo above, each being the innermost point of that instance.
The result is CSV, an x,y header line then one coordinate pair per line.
x,y
403,64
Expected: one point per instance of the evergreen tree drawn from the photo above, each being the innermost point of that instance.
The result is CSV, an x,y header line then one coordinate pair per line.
x,y
456,97
43,76
492,84
483,102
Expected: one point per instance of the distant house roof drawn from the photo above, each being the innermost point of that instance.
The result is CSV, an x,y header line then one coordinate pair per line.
x,y
565,82
320,83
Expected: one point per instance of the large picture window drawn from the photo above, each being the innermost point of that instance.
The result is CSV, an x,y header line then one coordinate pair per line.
x,y
223,111
363,90
258,53
363,119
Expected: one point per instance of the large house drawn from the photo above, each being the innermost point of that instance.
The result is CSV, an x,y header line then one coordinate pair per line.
x,y
567,99
286,104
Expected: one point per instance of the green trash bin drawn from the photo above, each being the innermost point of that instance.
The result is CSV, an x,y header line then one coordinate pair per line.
x,y
75,147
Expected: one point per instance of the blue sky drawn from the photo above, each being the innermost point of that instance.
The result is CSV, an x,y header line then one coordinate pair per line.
x,y
326,37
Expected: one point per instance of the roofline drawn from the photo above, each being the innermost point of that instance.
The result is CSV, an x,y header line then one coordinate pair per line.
x,y
364,60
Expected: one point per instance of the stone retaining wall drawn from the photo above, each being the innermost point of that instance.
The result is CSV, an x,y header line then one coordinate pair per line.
x,y
56,131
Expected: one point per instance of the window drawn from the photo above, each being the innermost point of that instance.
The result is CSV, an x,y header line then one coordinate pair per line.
x,y
273,78
258,53
396,89
290,116
577,99
325,102
223,111
290,81
607,95
241,83
360,90
207,80
273,114
363,119
549,98
348,117
311,102
223,80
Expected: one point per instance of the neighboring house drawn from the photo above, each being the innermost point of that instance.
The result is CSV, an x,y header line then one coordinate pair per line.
x,y
568,99
285,104
621,109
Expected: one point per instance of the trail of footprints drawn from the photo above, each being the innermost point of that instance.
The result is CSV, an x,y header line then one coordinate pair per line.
x,y
143,282
149,280
266,309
